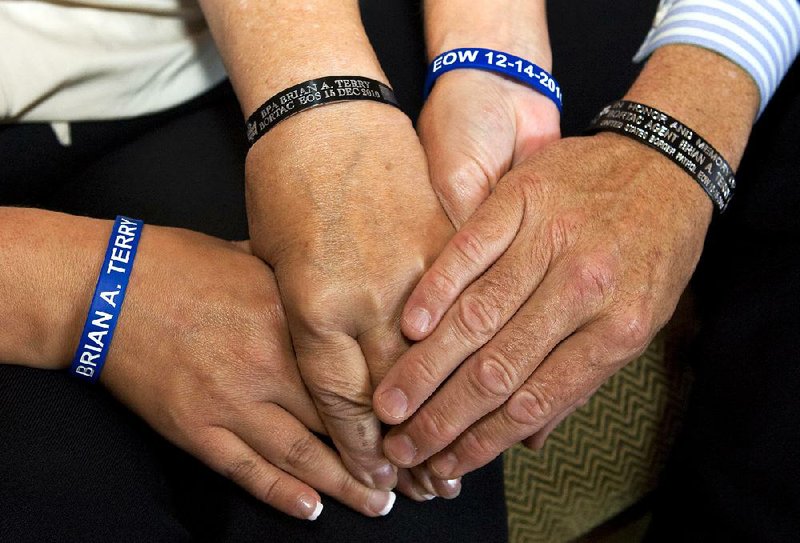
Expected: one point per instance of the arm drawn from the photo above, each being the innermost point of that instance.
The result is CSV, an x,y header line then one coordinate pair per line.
x,y
476,125
248,418
339,204
563,275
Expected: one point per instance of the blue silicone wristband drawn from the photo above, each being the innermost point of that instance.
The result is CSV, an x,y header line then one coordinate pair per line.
x,y
107,302
511,66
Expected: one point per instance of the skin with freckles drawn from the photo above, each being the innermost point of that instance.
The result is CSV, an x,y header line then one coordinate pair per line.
x,y
560,277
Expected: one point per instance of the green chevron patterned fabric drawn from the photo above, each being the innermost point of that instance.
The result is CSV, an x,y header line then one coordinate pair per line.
x,y
603,458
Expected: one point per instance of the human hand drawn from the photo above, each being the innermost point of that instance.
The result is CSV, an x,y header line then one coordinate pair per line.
x,y
202,353
340,205
475,127
563,275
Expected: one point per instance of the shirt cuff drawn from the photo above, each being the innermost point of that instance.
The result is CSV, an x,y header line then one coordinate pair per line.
x,y
763,38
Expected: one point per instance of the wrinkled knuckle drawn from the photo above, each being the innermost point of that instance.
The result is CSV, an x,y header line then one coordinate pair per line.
x,y
442,285
339,399
476,448
469,247
240,470
436,427
424,371
562,232
303,454
530,408
632,333
495,376
592,281
477,318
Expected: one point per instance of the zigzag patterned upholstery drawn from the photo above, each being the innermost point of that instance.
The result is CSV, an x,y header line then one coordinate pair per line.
x,y
602,459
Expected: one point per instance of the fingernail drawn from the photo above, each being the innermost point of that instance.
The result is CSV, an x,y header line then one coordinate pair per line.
x,y
419,319
443,465
452,488
385,477
429,497
401,449
394,403
310,507
381,503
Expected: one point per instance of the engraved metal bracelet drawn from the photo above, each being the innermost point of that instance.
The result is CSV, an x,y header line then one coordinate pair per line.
x,y
313,93
674,140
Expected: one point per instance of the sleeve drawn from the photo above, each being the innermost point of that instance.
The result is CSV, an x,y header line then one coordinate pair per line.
x,y
762,37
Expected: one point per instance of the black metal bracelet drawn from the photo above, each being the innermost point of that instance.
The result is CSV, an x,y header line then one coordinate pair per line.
x,y
674,140
313,93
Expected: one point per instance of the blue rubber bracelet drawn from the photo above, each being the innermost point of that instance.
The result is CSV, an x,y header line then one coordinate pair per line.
x,y
511,66
107,302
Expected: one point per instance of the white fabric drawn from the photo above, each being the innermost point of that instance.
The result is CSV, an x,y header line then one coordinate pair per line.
x,y
91,60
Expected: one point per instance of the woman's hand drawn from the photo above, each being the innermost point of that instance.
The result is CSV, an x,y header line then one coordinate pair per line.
x,y
203,354
339,203
201,350
475,127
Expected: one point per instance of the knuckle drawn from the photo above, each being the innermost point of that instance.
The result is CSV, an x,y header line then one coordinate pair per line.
x,y
469,247
478,319
562,232
339,399
442,285
270,493
240,470
477,449
303,453
631,333
592,280
424,370
495,376
436,427
530,408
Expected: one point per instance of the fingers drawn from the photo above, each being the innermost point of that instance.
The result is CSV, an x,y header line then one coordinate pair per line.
x,y
382,346
230,456
479,313
486,380
336,374
474,248
573,370
282,440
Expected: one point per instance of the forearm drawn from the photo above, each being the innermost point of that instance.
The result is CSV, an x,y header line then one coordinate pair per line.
x,y
518,27
704,91
48,266
268,46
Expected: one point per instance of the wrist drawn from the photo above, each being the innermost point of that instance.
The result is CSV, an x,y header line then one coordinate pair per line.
x,y
47,290
265,54
705,92
518,27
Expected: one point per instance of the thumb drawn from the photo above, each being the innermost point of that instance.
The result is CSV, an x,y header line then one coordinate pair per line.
x,y
468,132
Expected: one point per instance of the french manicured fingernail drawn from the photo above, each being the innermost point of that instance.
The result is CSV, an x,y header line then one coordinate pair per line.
x,y
429,497
310,506
419,319
443,465
394,403
451,488
385,477
381,503
400,449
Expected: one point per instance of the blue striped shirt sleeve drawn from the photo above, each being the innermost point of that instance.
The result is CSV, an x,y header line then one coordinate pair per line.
x,y
761,36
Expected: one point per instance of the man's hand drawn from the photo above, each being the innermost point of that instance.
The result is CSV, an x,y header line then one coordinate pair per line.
x,y
202,352
564,274
340,205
